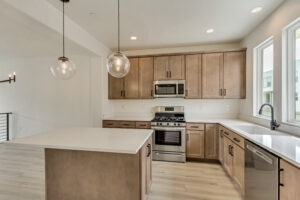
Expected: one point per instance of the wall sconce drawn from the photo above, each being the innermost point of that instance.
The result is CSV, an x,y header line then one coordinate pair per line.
x,y
11,78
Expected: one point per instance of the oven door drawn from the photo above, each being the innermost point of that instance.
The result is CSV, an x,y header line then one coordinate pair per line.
x,y
169,139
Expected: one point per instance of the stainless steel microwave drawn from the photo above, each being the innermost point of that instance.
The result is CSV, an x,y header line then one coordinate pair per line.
x,y
169,89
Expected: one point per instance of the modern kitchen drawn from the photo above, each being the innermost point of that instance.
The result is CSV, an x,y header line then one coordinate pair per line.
x,y
149,100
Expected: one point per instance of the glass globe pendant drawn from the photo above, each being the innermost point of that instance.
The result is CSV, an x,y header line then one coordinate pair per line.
x,y
63,68
118,64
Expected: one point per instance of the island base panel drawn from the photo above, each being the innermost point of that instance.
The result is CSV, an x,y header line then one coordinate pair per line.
x,y
81,175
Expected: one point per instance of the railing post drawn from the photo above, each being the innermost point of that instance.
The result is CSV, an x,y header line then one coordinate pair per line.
x,y
7,126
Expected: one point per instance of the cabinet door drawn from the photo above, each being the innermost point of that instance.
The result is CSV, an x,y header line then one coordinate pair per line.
x,y
115,87
212,75
211,141
228,159
161,68
289,178
195,144
193,76
238,172
235,75
146,78
149,166
131,83
176,68
221,145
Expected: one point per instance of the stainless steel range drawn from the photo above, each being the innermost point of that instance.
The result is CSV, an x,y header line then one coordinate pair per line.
x,y
169,142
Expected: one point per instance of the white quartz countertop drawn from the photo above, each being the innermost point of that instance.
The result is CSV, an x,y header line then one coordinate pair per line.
x,y
279,143
128,141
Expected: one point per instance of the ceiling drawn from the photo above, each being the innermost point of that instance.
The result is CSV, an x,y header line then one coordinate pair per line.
x,y
168,23
22,36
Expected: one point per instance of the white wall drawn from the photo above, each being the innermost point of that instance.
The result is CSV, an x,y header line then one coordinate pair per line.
x,y
272,26
193,108
40,102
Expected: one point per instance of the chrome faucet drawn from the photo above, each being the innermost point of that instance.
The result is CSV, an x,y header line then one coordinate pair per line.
x,y
273,123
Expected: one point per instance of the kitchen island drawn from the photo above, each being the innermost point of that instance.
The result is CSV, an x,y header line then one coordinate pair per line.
x,y
95,163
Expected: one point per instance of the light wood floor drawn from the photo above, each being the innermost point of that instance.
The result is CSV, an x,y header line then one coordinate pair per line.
x,y
22,178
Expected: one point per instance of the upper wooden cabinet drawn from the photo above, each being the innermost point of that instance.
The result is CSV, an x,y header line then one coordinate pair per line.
x,y
235,75
211,141
131,80
169,68
289,181
146,78
193,70
136,84
212,76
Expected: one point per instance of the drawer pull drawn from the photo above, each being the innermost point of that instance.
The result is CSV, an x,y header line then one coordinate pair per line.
x,y
110,124
194,126
226,133
142,125
237,140
126,124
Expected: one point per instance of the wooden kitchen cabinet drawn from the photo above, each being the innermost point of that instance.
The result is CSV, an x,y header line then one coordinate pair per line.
x,y
169,68
211,141
115,87
228,158
238,170
131,80
235,75
193,69
221,145
146,169
146,78
289,180
161,71
212,76
195,144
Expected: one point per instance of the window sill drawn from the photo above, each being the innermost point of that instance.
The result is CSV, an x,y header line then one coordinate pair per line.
x,y
292,123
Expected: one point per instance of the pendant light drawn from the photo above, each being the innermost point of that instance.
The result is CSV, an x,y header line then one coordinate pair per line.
x,y
64,68
118,64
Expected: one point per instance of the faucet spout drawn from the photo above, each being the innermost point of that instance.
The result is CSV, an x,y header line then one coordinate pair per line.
x,y
273,123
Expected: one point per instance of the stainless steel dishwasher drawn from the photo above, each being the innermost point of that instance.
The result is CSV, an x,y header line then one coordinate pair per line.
x,y
261,173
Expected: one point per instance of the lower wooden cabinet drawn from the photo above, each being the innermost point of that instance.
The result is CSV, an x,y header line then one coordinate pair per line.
x,y
228,158
289,181
195,144
221,145
146,169
126,124
211,141
238,164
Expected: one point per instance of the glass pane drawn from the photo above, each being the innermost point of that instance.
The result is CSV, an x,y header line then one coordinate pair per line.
x,y
297,71
267,84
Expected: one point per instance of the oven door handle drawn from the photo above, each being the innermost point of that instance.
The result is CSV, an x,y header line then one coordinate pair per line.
x,y
168,128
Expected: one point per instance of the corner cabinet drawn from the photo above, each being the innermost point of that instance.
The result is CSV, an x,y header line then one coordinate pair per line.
x,y
169,68
137,84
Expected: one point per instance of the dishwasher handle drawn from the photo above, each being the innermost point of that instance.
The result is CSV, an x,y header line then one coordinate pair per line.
x,y
260,154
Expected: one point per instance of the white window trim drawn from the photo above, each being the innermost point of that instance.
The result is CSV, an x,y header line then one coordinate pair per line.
x,y
257,75
288,72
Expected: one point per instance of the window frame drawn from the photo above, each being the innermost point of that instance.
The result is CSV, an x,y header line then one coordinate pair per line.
x,y
258,76
288,73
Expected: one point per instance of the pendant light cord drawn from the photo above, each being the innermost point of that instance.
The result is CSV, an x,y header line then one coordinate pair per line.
x,y
63,29
118,26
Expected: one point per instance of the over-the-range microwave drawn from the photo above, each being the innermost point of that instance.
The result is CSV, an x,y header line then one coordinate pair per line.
x,y
169,89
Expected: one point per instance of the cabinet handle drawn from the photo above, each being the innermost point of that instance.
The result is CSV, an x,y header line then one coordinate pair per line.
x,y
149,150
167,74
151,93
237,140
232,151
281,170
194,126
170,74
186,92
226,133
123,93
187,137
221,92
224,93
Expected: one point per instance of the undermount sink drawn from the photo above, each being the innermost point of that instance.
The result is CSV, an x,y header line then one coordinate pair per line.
x,y
256,130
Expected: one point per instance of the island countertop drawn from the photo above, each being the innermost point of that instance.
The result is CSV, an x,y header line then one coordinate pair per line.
x,y
127,141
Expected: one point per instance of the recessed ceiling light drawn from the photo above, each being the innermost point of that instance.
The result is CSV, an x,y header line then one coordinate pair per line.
x,y
133,38
256,10
210,30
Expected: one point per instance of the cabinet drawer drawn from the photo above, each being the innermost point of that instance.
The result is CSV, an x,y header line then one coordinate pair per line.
x,y
127,124
227,133
237,139
195,126
110,124
143,125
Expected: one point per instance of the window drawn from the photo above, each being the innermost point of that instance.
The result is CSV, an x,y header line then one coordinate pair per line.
x,y
291,64
263,59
